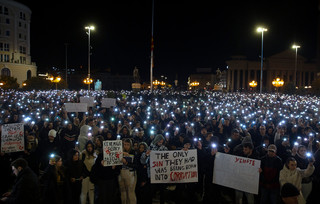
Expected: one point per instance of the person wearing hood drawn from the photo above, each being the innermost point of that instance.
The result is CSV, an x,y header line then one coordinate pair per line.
x,y
47,147
84,137
125,132
291,174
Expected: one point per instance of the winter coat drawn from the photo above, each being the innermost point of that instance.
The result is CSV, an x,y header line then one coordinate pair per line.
x,y
295,177
25,189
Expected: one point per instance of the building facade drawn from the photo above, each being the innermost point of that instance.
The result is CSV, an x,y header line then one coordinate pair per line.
x,y
15,56
242,71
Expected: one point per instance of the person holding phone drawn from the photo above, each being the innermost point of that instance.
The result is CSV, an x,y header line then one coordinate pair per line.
x,y
291,174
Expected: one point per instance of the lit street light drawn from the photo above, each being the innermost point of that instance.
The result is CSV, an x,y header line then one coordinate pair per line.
x,y
277,83
253,84
295,66
261,29
55,80
89,28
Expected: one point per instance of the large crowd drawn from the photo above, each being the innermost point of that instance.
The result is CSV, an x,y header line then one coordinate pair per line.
x,y
63,157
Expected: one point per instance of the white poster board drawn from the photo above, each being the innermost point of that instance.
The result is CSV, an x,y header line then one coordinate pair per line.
x,y
108,102
174,166
88,100
236,172
12,137
112,152
76,107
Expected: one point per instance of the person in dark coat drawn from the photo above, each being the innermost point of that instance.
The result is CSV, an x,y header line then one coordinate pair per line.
x,y
26,186
54,184
75,175
105,179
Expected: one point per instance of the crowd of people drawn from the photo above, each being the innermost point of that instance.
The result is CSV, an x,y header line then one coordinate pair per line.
x,y
63,156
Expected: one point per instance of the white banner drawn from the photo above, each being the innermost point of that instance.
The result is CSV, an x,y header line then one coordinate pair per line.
x,y
174,166
112,152
12,137
108,102
76,107
88,100
236,172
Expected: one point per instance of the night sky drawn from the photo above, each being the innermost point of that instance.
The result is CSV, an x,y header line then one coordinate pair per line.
x,y
187,34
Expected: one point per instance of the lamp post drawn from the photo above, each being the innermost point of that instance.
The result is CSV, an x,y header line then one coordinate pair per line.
x,y
295,65
56,80
277,83
194,84
89,28
261,29
253,84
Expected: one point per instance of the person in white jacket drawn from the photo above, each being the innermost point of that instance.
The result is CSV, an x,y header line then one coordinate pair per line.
x,y
291,174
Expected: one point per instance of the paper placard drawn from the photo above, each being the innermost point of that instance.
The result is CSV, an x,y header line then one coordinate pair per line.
x,y
76,107
12,137
112,152
236,172
108,102
174,166
88,100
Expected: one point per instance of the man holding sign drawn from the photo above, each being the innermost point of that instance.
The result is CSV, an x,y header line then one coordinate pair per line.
x,y
240,173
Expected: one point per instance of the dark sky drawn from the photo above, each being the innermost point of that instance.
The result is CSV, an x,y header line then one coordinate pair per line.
x,y
187,34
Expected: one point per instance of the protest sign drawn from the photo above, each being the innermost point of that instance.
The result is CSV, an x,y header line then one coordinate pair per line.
x,y
12,137
108,102
112,152
76,107
88,100
173,166
236,172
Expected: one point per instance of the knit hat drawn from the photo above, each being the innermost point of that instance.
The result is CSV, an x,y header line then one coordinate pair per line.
x,y
272,148
246,139
289,190
52,133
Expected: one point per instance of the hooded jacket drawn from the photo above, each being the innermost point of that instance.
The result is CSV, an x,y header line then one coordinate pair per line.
x,y
295,177
83,137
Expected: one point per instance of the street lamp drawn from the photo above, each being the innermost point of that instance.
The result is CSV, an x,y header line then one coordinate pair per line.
x,y
253,84
88,81
261,29
56,80
89,28
277,83
194,84
295,66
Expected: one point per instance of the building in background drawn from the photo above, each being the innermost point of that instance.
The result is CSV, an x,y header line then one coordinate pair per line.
x,y
242,71
204,78
15,56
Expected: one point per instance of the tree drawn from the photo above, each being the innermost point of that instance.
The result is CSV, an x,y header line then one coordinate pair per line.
x,y
37,83
9,82
40,83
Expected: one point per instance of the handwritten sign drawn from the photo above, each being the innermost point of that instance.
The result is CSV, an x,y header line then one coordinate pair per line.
x,y
108,102
88,100
112,152
12,137
236,172
76,107
173,166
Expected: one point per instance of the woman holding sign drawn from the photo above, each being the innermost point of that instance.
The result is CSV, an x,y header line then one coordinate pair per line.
x,y
127,178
